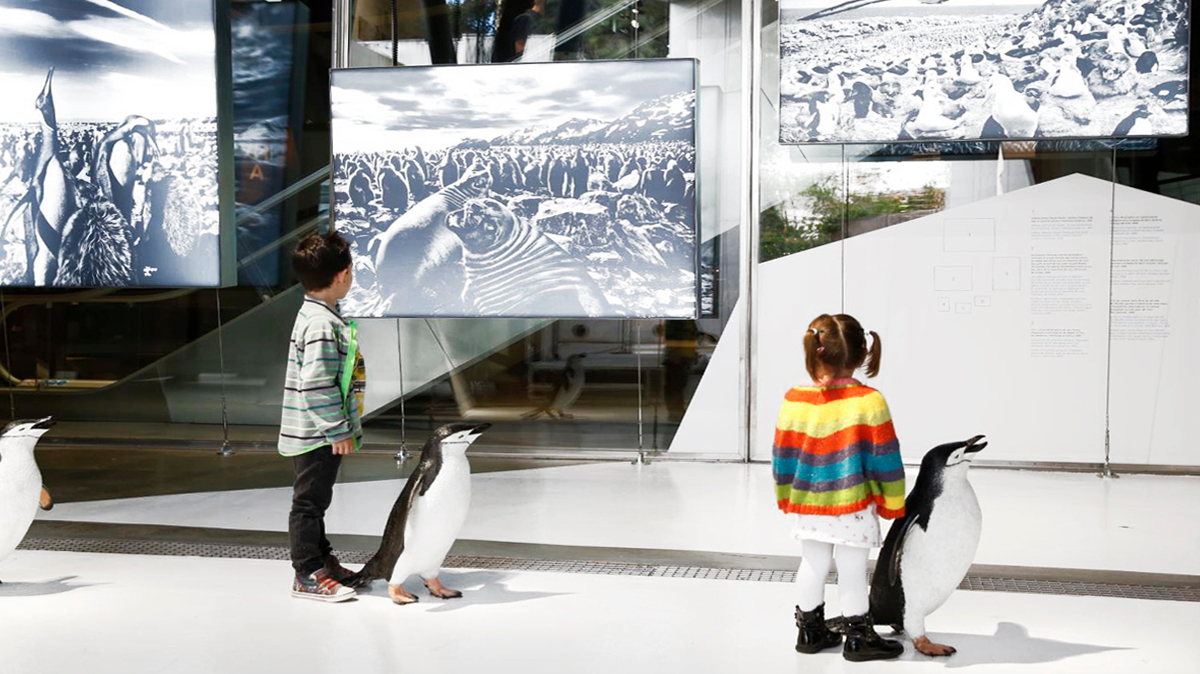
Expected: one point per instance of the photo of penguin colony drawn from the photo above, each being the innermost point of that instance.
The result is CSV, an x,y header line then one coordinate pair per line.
x,y
135,218
590,218
879,71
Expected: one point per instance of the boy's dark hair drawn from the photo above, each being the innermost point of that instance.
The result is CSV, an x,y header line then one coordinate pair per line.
x,y
320,257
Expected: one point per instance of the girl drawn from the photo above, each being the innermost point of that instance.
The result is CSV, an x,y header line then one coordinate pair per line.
x,y
837,467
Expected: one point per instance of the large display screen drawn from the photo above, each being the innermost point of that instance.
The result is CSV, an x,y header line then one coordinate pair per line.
x,y
108,143
877,71
519,190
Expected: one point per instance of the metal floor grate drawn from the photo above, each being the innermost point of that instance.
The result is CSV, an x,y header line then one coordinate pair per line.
x,y
971,583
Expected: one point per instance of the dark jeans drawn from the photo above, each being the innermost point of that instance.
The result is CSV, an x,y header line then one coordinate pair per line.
x,y
316,472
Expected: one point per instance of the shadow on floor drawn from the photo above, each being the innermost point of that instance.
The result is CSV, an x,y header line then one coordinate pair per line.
x,y
478,588
1011,644
42,589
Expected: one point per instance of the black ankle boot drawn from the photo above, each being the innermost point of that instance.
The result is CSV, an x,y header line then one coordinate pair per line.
x,y
863,643
814,637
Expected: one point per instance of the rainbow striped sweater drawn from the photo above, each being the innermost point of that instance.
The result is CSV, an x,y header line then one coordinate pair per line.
x,y
836,452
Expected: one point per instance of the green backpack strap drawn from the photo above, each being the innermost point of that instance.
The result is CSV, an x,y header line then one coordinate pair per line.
x,y
348,371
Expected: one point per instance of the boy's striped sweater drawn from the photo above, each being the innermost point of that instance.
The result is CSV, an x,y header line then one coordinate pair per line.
x,y
836,452
317,408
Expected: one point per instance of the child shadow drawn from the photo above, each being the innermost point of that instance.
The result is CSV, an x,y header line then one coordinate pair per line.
x,y
42,589
1011,644
478,588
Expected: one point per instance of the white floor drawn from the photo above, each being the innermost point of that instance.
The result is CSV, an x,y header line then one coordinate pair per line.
x,y
1060,520
101,614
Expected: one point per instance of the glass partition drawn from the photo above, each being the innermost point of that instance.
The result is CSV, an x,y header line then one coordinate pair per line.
x,y
568,386
992,270
155,358
1029,290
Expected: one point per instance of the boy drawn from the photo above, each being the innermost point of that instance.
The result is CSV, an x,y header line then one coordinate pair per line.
x,y
321,410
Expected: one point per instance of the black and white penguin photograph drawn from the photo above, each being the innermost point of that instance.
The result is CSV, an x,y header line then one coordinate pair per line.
x,y
519,190
882,71
108,144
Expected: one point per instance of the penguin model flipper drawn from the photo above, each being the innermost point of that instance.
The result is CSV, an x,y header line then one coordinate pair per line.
x,y
392,545
893,570
887,588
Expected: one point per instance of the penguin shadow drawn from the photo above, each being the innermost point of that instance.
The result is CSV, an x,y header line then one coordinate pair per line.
x,y
478,587
1011,644
42,589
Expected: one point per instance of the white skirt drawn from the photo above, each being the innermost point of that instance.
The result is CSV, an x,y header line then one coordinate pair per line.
x,y
860,529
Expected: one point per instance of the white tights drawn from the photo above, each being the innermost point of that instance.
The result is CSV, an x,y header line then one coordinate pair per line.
x,y
852,576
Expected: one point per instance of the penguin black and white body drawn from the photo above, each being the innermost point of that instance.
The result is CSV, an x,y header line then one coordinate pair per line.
x,y
1012,116
51,195
122,155
928,552
361,194
427,516
21,490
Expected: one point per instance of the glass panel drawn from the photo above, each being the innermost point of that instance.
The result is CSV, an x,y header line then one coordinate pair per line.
x,y
992,271
1155,321
153,356
570,385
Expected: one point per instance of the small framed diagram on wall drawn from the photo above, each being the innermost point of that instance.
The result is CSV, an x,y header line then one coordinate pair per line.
x,y
109,143
882,71
519,190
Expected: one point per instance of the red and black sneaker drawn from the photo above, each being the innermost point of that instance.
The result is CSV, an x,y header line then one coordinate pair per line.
x,y
321,587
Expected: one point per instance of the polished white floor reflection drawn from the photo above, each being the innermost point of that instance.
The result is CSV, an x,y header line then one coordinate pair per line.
x,y
124,614
1061,520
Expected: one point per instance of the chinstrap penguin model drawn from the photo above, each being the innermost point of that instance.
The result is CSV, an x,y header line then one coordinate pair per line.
x,y
928,552
21,490
427,516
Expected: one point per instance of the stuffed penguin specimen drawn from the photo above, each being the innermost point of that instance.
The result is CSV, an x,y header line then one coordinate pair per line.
x,y
928,552
427,516
21,490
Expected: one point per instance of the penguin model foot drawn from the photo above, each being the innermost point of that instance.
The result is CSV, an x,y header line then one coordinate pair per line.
x,y
45,502
924,645
436,589
399,596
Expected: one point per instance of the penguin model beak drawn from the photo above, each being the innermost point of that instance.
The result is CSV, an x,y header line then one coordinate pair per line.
x,y
44,424
478,430
973,445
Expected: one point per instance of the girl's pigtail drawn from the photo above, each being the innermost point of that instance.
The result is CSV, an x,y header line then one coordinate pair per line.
x,y
811,344
874,354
